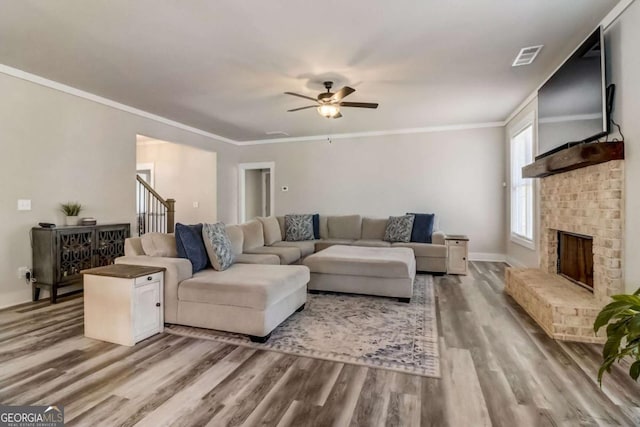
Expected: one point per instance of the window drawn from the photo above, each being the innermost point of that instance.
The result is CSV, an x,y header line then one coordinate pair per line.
x,y
522,188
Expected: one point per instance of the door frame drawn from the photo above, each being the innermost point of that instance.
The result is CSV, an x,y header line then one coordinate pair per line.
x,y
242,168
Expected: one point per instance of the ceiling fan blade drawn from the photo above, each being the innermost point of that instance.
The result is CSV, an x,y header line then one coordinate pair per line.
x,y
337,116
301,96
303,108
359,104
345,91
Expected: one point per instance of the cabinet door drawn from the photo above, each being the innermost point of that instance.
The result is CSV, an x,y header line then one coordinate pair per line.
x,y
147,310
457,260
75,247
109,244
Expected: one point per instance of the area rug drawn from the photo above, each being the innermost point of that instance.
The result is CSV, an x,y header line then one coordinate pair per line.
x,y
362,330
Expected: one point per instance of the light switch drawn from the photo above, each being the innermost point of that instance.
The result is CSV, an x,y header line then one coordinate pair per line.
x,y
196,204
24,205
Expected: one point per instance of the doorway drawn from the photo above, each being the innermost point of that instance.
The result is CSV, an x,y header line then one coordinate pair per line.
x,y
256,192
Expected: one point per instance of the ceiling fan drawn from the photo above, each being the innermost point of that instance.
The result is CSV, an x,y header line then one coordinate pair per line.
x,y
328,103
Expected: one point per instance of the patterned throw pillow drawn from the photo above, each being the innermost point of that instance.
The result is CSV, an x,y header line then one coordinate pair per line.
x,y
218,245
298,227
399,229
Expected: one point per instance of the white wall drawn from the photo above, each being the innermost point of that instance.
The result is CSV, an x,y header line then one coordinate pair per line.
x,y
518,255
185,174
457,174
57,147
622,40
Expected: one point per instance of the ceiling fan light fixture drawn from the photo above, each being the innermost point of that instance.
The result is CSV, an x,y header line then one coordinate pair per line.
x,y
328,110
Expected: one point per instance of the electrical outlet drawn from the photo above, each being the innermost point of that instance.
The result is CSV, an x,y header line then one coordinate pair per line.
x,y
196,204
22,272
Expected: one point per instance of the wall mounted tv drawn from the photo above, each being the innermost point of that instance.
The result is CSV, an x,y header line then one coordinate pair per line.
x,y
572,104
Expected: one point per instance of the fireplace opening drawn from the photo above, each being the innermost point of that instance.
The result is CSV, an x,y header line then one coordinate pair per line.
x,y
575,258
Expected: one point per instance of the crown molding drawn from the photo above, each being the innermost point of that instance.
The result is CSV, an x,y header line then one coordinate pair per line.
x,y
374,133
14,72
51,84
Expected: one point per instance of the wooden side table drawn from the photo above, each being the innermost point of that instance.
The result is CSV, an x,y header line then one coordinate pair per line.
x,y
123,304
457,254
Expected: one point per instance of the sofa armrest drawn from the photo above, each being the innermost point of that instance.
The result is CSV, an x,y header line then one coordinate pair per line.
x,y
177,270
437,238
133,246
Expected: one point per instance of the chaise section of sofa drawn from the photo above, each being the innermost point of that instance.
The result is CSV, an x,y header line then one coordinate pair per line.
x,y
250,299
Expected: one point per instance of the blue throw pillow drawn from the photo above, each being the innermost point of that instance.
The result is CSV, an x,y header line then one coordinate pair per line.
x,y
190,245
422,227
316,226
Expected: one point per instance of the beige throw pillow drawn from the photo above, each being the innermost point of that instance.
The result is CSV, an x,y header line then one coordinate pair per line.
x,y
159,244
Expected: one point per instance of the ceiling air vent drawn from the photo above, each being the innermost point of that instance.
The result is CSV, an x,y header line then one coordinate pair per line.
x,y
527,55
276,133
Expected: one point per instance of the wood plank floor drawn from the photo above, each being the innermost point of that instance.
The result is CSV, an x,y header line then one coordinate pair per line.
x,y
498,368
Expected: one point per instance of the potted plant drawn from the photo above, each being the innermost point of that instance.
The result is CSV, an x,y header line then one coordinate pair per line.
x,y
71,211
622,318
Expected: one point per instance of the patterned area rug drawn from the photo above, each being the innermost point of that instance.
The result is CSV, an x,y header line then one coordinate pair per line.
x,y
357,329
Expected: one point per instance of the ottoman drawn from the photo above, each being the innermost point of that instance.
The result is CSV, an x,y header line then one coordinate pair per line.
x,y
385,272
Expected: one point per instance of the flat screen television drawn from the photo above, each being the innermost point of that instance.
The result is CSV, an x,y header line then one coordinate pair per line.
x,y
572,104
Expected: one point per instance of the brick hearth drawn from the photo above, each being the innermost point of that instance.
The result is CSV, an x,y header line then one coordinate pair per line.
x,y
588,201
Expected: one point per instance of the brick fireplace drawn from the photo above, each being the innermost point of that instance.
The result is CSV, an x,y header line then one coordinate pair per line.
x,y
585,202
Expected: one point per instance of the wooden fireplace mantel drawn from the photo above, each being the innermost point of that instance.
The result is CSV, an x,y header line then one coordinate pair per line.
x,y
576,157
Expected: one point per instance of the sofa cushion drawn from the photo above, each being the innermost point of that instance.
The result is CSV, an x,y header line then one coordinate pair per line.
x,y
282,229
345,227
422,227
271,229
237,238
189,245
244,285
159,244
324,228
218,245
306,247
257,259
424,249
374,228
287,255
326,243
253,235
399,228
298,227
372,243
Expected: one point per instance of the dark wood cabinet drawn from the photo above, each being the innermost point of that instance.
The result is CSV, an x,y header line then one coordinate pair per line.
x,y
59,254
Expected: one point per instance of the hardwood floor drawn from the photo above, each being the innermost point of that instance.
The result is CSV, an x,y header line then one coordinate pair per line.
x,y
498,368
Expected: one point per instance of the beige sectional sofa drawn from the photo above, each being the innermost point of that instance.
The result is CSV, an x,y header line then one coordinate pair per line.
x,y
251,297
261,289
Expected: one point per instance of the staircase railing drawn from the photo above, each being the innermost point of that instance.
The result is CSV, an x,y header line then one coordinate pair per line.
x,y
155,214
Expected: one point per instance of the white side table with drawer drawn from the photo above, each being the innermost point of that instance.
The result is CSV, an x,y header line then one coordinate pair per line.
x,y
123,304
457,254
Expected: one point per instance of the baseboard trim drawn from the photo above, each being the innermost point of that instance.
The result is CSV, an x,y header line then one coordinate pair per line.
x,y
514,262
487,256
13,298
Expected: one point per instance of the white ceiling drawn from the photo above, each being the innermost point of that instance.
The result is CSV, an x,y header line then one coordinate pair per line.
x,y
221,66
